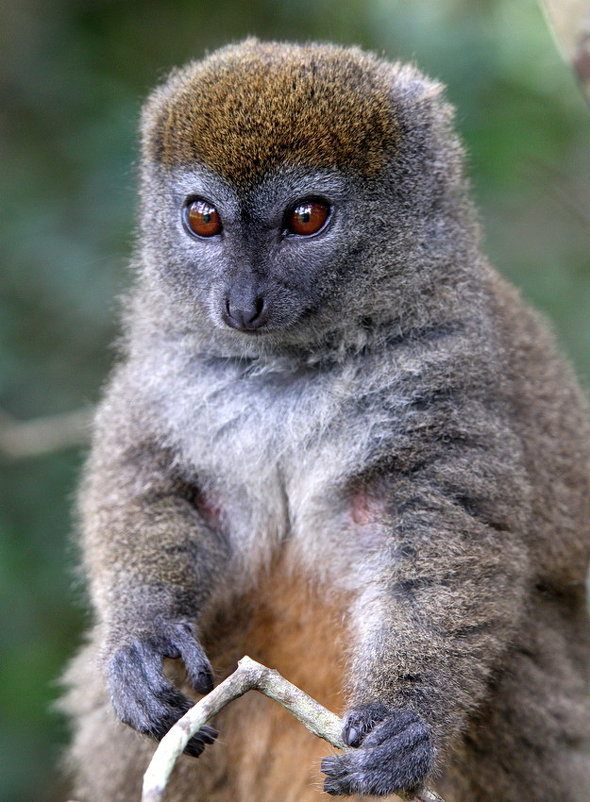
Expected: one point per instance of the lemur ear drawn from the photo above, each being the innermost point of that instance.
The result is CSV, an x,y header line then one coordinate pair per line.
x,y
429,145
418,97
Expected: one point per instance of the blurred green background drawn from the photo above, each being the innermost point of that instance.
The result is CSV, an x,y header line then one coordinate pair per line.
x,y
72,77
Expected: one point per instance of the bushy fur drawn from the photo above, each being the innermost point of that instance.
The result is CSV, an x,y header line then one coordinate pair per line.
x,y
384,493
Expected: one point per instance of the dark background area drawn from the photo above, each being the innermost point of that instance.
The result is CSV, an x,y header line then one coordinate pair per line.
x,y
73,74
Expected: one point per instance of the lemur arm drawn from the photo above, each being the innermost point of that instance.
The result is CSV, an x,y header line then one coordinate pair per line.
x,y
152,559
448,576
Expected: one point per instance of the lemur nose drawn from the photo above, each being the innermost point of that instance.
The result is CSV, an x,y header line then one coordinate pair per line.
x,y
243,312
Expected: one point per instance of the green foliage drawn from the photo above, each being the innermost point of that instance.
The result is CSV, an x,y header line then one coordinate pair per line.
x,y
72,76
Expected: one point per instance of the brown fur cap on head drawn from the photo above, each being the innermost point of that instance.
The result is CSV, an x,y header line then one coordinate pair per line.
x,y
251,107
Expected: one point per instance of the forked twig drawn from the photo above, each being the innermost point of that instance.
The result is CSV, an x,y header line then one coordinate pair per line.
x,y
249,676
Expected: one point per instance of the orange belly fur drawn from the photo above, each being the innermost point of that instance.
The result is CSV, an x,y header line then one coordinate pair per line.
x,y
263,753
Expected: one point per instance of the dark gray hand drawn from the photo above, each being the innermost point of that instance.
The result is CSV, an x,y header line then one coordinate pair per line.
x,y
395,753
141,694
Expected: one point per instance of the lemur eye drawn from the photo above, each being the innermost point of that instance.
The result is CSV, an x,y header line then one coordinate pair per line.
x,y
202,218
307,218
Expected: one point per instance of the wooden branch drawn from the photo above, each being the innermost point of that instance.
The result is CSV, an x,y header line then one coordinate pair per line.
x,y
249,675
569,22
33,438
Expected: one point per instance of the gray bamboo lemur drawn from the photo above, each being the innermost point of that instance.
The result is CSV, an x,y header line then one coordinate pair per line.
x,y
336,441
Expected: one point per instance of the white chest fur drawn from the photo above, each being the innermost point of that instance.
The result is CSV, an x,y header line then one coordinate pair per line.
x,y
274,446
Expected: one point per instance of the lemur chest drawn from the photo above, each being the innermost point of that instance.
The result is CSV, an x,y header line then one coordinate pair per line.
x,y
274,456
263,462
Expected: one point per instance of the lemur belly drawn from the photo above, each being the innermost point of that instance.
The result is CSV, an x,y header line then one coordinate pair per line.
x,y
263,754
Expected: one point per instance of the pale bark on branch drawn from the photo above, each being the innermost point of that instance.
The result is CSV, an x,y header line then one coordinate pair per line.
x,y
249,675
45,435
569,21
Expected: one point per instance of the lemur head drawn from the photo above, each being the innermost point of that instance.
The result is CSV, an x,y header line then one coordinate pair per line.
x,y
291,190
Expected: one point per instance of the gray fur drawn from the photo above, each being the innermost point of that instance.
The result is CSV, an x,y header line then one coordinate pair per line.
x,y
397,364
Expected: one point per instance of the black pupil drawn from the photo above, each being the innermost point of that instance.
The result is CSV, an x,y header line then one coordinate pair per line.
x,y
305,214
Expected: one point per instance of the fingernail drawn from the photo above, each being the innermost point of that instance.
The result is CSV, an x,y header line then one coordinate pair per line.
x,y
352,736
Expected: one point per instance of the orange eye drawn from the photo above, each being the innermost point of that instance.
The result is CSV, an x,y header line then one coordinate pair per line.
x,y
202,219
307,218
